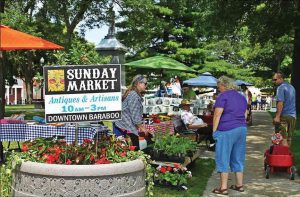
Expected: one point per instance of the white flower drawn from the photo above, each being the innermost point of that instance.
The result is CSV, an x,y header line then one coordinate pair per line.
x,y
189,174
158,167
175,169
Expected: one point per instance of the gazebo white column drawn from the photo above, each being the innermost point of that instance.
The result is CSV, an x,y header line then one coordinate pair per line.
x,y
22,96
7,95
16,95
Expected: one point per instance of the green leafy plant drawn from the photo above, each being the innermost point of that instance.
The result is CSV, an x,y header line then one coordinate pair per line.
x,y
175,175
173,145
56,151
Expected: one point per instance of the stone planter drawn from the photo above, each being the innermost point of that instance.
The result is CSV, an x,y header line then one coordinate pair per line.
x,y
119,179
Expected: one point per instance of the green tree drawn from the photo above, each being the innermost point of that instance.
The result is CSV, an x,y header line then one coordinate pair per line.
x,y
80,53
274,26
23,63
150,27
183,31
71,13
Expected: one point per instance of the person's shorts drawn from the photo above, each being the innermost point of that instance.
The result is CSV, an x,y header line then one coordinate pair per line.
x,y
288,122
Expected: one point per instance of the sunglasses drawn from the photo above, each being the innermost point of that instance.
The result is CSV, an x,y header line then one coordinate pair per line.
x,y
274,79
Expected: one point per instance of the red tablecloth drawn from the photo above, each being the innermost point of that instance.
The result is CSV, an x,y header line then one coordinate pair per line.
x,y
166,126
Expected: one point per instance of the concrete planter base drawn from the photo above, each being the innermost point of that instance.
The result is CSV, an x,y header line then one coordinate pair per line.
x,y
120,179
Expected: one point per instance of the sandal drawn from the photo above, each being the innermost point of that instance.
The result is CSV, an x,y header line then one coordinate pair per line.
x,y
237,188
220,191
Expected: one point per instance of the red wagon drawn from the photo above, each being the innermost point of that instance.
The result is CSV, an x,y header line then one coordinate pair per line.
x,y
279,157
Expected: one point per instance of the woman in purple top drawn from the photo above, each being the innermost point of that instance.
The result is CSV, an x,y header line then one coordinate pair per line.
x,y
229,126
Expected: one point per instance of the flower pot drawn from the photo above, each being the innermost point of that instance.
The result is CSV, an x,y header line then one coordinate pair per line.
x,y
118,179
160,156
176,159
168,185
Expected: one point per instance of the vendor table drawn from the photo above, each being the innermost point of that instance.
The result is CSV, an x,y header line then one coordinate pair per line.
x,y
166,126
24,132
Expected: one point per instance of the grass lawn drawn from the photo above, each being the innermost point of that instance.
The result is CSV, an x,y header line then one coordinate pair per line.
x,y
201,171
28,110
18,107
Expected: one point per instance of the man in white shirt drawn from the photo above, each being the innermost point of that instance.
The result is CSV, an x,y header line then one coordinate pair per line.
x,y
193,122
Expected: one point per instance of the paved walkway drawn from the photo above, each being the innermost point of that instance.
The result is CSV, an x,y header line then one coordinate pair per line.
x,y
258,140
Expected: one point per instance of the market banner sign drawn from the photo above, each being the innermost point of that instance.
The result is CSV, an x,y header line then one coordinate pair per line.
x,y
82,93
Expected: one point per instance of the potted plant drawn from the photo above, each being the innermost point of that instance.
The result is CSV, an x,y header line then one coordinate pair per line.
x,y
50,166
172,147
174,176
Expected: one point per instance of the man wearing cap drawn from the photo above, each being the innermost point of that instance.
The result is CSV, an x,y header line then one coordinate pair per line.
x,y
188,93
193,122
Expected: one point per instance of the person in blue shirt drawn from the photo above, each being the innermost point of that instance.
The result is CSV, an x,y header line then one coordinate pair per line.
x,y
286,105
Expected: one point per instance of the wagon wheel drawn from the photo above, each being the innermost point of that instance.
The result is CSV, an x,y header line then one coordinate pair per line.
x,y
293,172
267,172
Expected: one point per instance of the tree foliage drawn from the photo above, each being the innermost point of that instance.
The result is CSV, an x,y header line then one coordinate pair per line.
x,y
80,53
54,21
183,31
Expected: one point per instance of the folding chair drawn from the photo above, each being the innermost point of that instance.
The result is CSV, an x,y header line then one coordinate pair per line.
x,y
181,129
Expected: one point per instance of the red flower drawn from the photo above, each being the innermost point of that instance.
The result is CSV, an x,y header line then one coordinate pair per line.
x,y
103,151
123,154
103,160
86,141
57,151
163,169
49,149
51,159
68,162
25,147
92,158
169,168
176,165
132,148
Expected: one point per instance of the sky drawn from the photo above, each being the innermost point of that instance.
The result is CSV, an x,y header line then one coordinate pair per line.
x,y
96,35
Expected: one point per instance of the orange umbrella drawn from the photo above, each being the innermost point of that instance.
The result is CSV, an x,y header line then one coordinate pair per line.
x,y
11,39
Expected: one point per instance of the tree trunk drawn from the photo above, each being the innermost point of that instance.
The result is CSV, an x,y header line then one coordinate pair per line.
x,y
296,60
28,76
29,94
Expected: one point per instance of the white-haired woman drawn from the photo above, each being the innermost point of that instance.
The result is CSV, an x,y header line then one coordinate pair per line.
x,y
229,126
132,111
